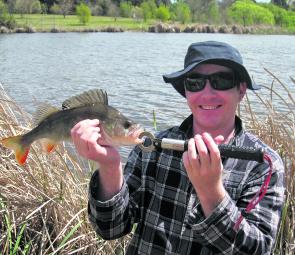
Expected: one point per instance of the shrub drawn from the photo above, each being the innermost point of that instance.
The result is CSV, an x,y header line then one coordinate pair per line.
x,y
125,9
6,19
149,9
163,13
248,13
180,11
83,12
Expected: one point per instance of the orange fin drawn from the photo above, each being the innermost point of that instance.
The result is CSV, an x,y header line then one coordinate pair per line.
x,y
48,145
14,143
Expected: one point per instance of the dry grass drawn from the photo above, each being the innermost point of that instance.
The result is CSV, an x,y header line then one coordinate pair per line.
x,y
43,204
276,127
48,195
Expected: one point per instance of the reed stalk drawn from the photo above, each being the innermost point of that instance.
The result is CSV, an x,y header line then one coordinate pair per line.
x,y
43,204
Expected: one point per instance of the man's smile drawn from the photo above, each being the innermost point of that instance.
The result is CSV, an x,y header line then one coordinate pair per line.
x,y
209,107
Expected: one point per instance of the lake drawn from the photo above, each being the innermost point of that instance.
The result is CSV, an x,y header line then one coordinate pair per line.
x,y
52,67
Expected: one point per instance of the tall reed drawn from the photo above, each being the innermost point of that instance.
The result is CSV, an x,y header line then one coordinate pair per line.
x,y
48,196
43,204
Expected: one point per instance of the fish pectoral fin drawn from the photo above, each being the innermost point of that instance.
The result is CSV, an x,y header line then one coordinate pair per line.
x,y
48,145
14,143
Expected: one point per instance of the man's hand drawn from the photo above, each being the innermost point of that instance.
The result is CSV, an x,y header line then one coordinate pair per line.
x,y
90,143
203,165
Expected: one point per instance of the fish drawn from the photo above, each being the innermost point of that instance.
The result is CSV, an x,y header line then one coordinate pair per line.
x,y
53,125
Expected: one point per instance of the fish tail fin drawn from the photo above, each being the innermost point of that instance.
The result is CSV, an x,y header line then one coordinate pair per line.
x,y
15,143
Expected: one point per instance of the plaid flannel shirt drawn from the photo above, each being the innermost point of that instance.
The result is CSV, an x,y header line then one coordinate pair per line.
x,y
158,196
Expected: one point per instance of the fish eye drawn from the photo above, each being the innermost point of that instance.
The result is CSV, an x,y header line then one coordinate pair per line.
x,y
127,124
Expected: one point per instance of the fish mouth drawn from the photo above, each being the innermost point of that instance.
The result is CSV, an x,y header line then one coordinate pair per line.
x,y
135,132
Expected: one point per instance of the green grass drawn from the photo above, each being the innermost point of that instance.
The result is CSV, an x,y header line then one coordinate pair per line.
x,y
71,22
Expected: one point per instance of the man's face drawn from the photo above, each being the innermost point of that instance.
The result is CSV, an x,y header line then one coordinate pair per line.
x,y
214,109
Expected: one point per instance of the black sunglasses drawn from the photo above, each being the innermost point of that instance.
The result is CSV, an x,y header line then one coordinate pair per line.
x,y
219,81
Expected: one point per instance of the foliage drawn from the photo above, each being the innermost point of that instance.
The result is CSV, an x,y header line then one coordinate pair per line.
x,y
13,244
36,7
180,11
289,19
113,10
6,19
163,13
55,9
125,9
213,12
248,13
149,9
277,12
27,6
65,7
83,12
281,3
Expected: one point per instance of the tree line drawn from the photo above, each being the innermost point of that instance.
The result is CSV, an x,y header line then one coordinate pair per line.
x,y
244,12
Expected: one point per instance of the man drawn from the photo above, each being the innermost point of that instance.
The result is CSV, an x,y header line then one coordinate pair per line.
x,y
189,203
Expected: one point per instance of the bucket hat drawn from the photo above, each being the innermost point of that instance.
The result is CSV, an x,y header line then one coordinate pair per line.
x,y
210,52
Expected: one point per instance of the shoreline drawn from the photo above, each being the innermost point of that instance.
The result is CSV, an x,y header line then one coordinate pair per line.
x,y
158,28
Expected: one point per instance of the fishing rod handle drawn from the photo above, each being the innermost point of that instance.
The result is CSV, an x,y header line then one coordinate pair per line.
x,y
226,151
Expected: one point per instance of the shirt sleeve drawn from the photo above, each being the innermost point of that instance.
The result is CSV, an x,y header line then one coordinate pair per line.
x,y
115,217
257,231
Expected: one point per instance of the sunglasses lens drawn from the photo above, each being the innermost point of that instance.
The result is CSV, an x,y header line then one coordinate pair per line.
x,y
223,81
218,81
195,84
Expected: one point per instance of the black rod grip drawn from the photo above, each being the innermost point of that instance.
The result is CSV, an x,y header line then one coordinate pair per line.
x,y
231,151
226,151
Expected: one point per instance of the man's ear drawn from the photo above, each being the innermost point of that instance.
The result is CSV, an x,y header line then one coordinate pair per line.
x,y
242,90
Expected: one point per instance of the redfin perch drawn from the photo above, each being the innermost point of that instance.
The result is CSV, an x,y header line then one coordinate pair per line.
x,y
53,125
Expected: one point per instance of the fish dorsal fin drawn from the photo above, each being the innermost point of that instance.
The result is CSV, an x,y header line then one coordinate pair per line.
x,y
42,112
86,98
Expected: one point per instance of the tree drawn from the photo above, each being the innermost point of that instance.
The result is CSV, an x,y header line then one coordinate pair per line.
x,y
149,9
289,19
125,9
65,6
200,9
281,3
83,12
3,12
23,6
180,11
55,9
223,8
213,12
163,13
6,19
277,12
10,5
113,10
136,13
36,7
248,13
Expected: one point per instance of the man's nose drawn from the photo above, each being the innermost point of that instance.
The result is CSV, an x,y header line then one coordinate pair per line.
x,y
208,88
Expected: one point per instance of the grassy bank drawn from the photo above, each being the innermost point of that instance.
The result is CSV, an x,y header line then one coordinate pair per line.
x,y
43,203
57,23
71,23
